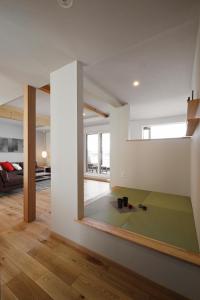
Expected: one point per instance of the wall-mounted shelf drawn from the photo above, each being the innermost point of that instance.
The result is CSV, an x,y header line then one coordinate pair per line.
x,y
193,116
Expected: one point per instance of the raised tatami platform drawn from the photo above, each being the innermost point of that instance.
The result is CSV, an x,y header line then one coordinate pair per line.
x,y
169,218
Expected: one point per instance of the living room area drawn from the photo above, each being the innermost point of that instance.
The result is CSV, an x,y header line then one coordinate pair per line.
x,y
12,160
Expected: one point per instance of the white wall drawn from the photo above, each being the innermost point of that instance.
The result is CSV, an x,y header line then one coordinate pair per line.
x,y
195,179
155,165
13,129
195,146
97,128
196,67
163,269
135,126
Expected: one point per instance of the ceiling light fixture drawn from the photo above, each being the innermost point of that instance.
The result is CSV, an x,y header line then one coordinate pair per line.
x,y
136,83
65,3
84,114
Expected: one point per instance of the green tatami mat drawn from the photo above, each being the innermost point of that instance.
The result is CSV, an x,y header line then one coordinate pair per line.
x,y
166,225
169,218
103,210
135,196
174,202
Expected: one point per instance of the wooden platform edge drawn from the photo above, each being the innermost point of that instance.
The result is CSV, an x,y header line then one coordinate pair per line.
x,y
146,282
97,178
164,248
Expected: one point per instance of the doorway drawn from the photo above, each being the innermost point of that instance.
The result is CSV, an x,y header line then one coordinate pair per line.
x,y
98,154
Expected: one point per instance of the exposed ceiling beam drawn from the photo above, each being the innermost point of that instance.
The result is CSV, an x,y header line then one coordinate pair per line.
x,y
93,109
17,114
47,89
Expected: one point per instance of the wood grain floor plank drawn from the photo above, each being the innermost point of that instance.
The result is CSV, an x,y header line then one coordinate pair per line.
x,y
7,294
34,265
57,289
7,269
26,289
94,288
55,264
84,262
23,261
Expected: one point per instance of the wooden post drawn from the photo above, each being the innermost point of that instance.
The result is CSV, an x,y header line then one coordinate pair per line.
x,y
29,153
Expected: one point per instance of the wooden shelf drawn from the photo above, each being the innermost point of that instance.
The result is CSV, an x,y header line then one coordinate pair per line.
x,y
192,110
191,126
193,116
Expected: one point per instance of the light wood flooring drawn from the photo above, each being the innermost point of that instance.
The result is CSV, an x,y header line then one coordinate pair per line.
x,y
34,265
94,189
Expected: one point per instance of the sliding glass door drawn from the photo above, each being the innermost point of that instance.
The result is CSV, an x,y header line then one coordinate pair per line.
x,y
105,153
93,153
98,153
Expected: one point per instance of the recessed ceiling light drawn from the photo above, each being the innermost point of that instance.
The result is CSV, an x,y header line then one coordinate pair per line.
x,y
136,83
65,3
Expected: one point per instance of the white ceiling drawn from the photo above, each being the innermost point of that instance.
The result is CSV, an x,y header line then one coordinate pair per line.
x,y
117,41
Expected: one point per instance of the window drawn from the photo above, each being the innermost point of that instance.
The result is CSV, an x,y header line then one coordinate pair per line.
x,y
105,153
98,153
163,131
92,153
146,134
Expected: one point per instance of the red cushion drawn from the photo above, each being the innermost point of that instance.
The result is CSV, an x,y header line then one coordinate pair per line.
x,y
7,166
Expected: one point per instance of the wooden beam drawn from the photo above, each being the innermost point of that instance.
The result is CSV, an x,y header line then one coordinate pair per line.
x,y
97,111
47,89
17,114
29,153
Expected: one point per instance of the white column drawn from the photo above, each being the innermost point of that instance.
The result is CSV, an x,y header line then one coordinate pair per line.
x,y
66,146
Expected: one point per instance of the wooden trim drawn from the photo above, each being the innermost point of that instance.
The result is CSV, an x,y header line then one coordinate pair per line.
x,y
17,114
29,153
164,139
95,178
47,89
158,246
148,286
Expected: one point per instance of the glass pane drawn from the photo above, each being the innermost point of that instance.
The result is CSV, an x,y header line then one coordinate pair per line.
x,y
146,133
168,130
105,152
92,153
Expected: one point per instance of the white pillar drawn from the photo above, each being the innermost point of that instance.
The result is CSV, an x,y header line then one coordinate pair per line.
x,y
66,146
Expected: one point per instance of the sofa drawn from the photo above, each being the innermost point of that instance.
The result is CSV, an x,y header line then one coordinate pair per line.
x,y
10,180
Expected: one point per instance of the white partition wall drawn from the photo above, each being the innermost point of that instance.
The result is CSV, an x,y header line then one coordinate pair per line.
x,y
66,162
153,165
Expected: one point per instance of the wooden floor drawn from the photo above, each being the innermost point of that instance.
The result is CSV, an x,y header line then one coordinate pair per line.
x,y
94,189
33,265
